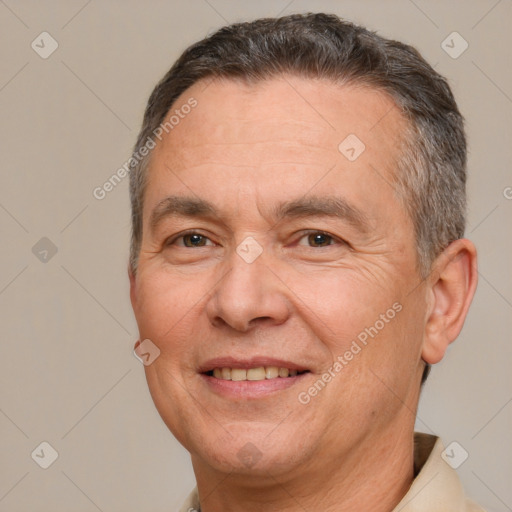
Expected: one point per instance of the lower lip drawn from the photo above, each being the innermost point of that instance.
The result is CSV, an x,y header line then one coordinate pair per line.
x,y
250,388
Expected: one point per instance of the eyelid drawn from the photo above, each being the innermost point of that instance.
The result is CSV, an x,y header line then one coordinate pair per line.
x,y
172,239
299,236
307,232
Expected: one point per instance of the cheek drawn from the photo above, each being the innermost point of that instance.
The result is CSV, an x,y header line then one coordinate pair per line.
x,y
341,304
372,332
165,307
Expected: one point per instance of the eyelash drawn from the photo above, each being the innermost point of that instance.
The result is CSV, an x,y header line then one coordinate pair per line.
x,y
173,240
306,233
333,239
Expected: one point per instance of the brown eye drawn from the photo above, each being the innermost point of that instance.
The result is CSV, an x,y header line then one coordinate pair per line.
x,y
194,240
319,239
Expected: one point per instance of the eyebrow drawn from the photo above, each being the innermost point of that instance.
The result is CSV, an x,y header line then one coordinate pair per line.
x,y
330,206
175,206
313,206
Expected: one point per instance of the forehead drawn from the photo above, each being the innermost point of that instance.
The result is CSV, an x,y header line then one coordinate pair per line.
x,y
316,113
244,139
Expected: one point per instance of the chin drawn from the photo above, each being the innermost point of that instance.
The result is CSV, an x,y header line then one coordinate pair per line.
x,y
249,453
249,460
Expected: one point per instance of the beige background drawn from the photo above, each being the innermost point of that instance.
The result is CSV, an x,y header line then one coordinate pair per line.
x,y
67,372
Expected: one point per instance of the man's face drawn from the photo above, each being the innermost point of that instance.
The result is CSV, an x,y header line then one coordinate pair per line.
x,y
267,246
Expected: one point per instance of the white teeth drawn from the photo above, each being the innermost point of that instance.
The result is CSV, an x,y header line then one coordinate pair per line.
x,y
271,372
238,374
254,374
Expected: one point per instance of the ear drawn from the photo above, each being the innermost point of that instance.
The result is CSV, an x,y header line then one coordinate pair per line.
x,y
451,286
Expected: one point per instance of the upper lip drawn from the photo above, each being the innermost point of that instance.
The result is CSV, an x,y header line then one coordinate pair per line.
x,y
253,362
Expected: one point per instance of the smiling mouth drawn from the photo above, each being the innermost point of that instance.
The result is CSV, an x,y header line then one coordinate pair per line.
x,y
254,374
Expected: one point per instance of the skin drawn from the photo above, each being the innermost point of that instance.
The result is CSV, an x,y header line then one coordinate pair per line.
x,y
245,149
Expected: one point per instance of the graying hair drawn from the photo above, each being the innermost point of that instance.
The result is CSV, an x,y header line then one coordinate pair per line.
x,y
431,171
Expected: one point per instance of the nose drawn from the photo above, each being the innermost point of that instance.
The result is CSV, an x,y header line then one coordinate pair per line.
x,y
249,295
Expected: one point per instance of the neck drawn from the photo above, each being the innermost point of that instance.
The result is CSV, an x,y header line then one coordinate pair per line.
x,y
374,475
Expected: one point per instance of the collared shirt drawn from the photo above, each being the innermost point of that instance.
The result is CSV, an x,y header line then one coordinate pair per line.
x,y
436,487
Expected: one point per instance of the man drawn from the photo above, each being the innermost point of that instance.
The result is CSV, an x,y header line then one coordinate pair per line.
x,y
297,263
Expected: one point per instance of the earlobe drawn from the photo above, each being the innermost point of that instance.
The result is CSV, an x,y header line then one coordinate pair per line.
x,y
451,287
